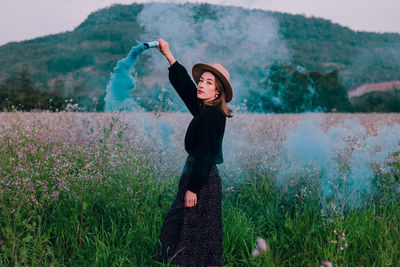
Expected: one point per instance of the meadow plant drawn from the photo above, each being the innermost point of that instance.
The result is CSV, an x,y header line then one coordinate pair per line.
x,y
82,188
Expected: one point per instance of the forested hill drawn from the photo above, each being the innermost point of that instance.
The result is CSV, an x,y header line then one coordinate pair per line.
x,y
79,61
361,57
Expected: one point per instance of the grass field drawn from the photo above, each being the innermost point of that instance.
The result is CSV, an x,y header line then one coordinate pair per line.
x,y
92,189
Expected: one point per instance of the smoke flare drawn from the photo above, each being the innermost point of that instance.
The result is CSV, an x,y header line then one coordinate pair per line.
x,y
121,82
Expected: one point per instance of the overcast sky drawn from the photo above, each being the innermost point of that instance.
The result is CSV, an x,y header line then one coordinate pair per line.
x,y
27,19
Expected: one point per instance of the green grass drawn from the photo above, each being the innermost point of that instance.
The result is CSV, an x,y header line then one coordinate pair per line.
x,y
85,202
112,227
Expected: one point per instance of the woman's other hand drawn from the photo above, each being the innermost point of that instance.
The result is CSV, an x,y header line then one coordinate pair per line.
x,y
190,199
164,49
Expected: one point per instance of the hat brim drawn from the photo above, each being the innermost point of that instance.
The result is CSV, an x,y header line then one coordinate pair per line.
x,y
198,70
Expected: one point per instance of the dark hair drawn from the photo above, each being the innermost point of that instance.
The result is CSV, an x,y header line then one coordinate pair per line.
x,y
220,101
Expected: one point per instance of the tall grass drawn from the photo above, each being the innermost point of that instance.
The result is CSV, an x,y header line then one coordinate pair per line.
x,y
70,200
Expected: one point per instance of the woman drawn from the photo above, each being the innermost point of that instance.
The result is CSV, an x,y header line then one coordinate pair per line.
x,y
191,234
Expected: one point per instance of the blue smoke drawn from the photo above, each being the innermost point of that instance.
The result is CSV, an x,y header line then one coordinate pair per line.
x,y
308,104
121,82
338,165
343,164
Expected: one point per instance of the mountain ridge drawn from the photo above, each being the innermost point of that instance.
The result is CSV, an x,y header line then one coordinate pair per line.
x,y
82,58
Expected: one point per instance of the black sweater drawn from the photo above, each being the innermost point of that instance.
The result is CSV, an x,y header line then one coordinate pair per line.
x,y
203,138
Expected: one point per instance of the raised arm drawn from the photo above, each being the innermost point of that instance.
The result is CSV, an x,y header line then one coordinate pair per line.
x,y
181,80
164,49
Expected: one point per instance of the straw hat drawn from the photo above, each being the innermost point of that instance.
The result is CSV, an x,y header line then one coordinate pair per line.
x,y
219,71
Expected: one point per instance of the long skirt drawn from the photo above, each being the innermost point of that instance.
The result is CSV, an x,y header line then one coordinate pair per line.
x,y
192,236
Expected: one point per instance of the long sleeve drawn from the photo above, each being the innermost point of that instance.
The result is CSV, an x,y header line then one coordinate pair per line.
x,y
184,86
205,150
201,169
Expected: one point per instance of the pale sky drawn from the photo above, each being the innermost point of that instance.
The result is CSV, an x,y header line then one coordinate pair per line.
x,y
27,19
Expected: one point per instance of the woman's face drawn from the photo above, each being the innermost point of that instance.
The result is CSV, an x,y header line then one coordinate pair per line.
x,y
206,89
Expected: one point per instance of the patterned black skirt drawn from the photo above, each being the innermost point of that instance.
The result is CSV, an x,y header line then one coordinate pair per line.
x,y
192,236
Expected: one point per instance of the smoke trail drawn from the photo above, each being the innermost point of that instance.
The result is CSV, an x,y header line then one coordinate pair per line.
x,y
286,89
308,104
343,163
122,82
246,45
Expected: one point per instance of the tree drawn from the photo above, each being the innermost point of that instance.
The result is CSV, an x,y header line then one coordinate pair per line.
x,y
28,96
332,96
